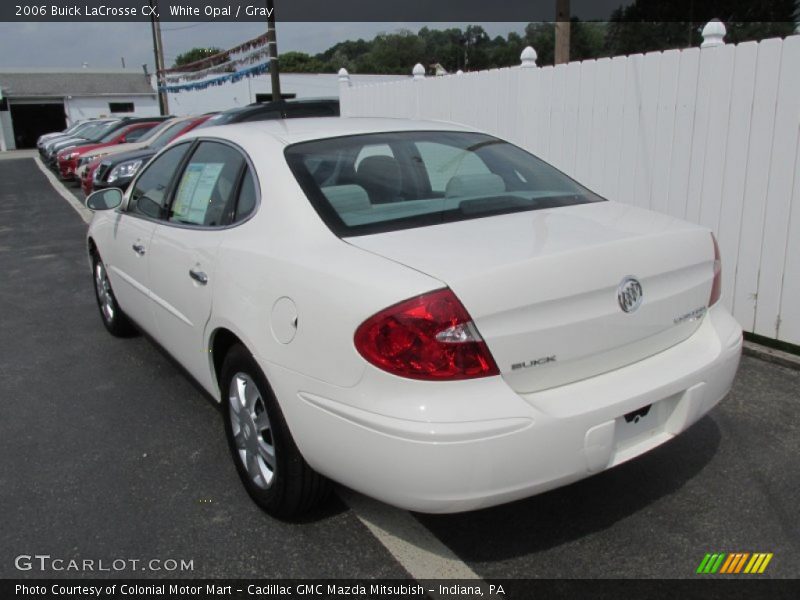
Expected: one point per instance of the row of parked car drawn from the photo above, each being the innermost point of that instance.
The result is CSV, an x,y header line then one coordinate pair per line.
x,y
108,152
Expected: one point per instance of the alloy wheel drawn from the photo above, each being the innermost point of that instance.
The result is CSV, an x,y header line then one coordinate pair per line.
x,y
252,430
104,294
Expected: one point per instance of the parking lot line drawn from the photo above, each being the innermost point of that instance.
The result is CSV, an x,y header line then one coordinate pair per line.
x,y
409,542
84,212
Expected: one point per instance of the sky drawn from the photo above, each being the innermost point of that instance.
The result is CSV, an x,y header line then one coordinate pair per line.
x,y
104,45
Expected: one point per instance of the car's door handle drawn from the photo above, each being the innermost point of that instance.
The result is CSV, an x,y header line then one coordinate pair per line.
x,y
139,249
198,276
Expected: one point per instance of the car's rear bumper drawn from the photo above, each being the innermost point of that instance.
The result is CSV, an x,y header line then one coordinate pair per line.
x,y
486,444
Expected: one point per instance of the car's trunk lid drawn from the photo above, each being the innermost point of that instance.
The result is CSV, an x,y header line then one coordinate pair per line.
x,y
542,286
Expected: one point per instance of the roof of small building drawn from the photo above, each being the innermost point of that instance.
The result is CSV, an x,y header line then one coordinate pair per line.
x,y
72,82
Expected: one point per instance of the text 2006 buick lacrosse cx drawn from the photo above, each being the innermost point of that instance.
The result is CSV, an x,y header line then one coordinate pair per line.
x,y
426,314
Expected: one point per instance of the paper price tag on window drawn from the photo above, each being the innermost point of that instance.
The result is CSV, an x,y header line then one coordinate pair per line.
x,y
195,190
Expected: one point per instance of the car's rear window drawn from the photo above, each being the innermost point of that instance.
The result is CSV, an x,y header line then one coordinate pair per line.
x,y
103,131
165,135
221,118
97,130
381,182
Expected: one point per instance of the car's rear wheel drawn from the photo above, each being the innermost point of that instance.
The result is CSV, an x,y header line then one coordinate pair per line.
x,y
115,321
268,461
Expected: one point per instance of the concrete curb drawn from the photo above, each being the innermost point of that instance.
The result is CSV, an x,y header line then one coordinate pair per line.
x,y
779,357
59,187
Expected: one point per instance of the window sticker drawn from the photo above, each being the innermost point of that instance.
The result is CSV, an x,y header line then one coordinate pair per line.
x,y
194,192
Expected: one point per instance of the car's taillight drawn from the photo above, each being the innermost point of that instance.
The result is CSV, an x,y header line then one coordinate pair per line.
x,y
428,337
716,287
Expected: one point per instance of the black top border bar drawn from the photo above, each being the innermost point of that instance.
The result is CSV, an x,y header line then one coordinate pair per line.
x,y
392,10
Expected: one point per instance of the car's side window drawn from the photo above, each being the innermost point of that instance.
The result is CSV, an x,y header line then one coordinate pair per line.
x,y
246,202
149,194
207,185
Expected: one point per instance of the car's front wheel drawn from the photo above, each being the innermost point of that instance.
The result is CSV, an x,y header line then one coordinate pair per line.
x,y
115,321
268,461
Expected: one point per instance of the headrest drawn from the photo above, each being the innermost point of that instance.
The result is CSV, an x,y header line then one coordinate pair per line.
x,y
484,184
380,176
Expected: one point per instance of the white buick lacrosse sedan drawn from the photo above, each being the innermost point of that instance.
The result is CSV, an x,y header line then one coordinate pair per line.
x,y
426,314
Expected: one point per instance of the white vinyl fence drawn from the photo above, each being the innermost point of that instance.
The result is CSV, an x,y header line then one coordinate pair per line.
x,y
706,134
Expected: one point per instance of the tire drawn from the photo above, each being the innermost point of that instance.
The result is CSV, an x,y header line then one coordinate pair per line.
x,y
115,321
269,464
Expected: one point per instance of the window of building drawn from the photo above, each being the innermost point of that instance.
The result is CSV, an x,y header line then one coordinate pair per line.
x,y
120,107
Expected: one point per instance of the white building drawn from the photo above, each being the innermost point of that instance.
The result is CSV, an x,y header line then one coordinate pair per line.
x,y
37,101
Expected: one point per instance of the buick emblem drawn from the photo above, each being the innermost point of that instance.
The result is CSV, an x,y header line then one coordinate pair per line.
x,y
629,294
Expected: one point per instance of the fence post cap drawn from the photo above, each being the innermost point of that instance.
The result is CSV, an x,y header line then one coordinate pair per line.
x,y
528,57
419,71
713,34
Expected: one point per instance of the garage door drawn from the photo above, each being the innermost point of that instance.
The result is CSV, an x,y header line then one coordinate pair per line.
x,y
32,120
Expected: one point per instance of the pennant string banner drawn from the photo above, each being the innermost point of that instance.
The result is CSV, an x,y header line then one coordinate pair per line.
x,y
227,78
195,75
219,58
257,55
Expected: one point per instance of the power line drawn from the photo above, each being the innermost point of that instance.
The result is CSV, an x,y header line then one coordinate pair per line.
x,y
185,27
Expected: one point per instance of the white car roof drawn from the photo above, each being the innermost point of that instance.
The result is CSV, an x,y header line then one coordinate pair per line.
x,y
291,131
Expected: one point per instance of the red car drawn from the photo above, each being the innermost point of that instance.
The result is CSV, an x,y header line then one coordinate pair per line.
x,y
68,158
177,128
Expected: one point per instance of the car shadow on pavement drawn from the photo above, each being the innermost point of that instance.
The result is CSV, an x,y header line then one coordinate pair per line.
x,y
328,509
591,505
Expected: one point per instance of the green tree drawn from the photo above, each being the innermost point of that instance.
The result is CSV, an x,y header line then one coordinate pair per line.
x,y
300,62
649,25
586,40
345,54
505,52
476,43
194,55
542,36
643,26
392,53
443,47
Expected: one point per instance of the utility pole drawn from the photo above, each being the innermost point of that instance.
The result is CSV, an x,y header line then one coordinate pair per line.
x,y
158,50
272,44
562,31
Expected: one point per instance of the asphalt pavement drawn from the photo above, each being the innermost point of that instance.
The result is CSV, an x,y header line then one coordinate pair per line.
x,y
108,451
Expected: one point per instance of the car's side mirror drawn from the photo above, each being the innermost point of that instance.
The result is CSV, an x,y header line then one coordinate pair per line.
x,y
104,199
